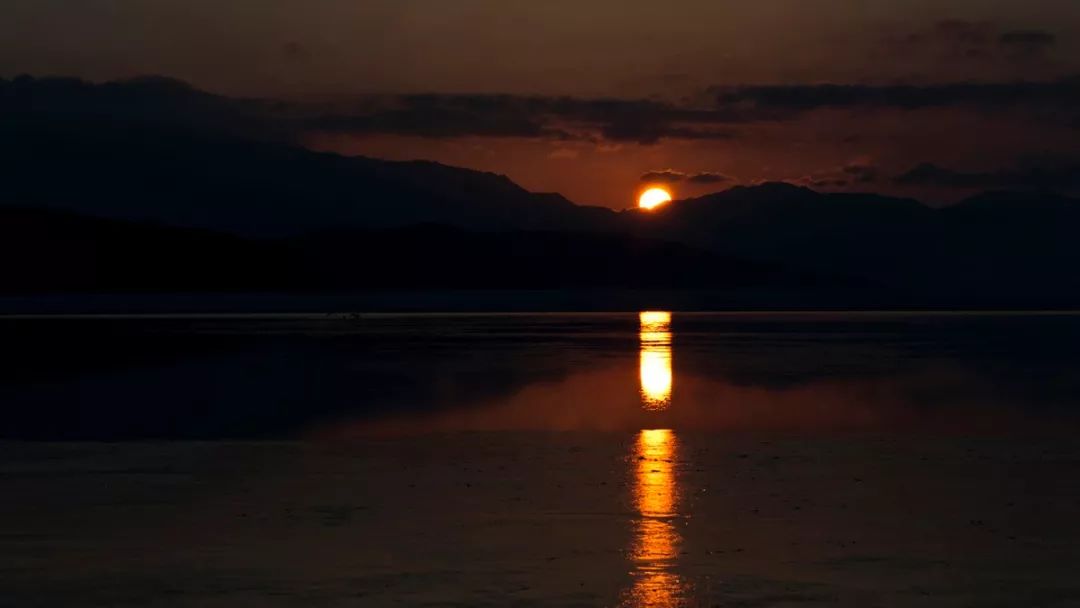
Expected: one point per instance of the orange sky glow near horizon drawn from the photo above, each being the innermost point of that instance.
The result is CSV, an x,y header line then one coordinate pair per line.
x,y
499,96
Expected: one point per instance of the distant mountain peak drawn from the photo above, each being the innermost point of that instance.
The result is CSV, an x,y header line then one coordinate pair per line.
x,y
777,188
763,193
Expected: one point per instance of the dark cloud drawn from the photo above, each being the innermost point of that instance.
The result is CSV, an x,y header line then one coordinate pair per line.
x,y
613,120
666,176
642,121
1028,44
965,33
708,178
428,115
796,98
850,174
670,176
436,116
948,40
954,40
1063,177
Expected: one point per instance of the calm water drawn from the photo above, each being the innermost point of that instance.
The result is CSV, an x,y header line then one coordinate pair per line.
x,y
650,459
337,375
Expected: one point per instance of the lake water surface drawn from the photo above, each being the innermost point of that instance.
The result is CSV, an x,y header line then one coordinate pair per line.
x,y
645,459
289,377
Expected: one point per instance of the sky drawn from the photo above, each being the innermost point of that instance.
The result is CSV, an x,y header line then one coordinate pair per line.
x,y
935,99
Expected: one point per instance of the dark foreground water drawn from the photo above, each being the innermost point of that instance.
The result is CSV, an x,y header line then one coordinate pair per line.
x,y
603,459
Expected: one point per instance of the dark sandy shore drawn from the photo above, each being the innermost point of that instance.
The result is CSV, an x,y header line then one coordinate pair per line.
x,y
546,519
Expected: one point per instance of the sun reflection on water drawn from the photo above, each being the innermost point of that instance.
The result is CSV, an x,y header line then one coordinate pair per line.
x,y
655,547
656,376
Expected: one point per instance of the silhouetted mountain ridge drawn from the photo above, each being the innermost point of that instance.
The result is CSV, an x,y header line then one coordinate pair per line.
x,y
257,188
990,245
161,152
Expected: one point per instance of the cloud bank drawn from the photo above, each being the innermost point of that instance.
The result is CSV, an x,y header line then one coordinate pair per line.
x,y
671,176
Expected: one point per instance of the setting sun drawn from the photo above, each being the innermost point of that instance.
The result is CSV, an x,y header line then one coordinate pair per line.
x,y
653,198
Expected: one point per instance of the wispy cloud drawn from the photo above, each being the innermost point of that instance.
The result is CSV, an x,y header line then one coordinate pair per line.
x,y
671,176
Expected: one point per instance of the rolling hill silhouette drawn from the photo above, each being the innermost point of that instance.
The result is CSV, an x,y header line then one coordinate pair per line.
x,y
1001,246
200,193
156,149
254,188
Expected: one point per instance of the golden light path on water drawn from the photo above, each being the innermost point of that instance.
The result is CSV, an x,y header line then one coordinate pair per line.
x,y
655,547
656,376
656,541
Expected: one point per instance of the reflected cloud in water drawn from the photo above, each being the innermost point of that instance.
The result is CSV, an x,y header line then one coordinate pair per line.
x,y
656,374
